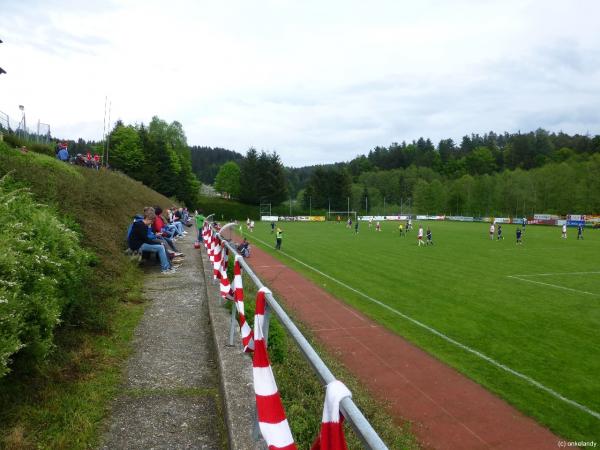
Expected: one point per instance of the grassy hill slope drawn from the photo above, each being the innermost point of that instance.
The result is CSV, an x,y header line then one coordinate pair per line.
x,y
60,402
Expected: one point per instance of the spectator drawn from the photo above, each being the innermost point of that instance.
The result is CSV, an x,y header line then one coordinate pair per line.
x,y
139,240
158,231
244,248
63,153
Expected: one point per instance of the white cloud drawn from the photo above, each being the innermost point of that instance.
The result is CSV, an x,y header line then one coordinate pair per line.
x,y
315,81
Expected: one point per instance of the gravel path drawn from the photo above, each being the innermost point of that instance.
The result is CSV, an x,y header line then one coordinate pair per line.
x,y
170,397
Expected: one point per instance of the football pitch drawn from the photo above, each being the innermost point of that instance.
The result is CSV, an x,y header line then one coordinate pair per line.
x,y
521,320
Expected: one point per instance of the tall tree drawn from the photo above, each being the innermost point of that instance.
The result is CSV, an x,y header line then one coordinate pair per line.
x,y
228,179
249,178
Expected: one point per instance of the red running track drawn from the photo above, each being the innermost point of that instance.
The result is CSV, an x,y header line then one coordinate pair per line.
x,y
446,409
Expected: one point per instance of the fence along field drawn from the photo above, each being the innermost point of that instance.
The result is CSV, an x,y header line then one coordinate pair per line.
x,y
532,309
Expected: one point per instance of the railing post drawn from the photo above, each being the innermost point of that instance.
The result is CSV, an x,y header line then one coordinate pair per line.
x,y
266,323
233,325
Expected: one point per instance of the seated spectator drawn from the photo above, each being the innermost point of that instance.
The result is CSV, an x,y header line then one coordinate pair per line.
x,y
175,220
244,248
155,232
139,241
161,226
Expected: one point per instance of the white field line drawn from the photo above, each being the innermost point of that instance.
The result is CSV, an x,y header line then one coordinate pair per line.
x,y
449,339
557,286
552,274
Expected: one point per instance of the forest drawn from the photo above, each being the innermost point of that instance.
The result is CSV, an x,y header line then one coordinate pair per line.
x,y
494,174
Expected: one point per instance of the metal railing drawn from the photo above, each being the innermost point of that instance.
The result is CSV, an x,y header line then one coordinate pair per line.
x,y
363,429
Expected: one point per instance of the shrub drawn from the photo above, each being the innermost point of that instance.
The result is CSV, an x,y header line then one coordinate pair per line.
x,y
42,273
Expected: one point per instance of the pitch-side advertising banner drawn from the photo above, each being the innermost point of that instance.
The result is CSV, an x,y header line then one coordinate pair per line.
x,y
292,218
460,218
502,219
431,217
382,218
545,217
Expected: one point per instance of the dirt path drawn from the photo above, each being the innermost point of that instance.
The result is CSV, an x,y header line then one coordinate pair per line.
x,y
447,410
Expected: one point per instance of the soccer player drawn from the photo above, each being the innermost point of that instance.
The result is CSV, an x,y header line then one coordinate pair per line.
x,y
500,232
420,236
429,241
564,231
356,227
370,222
378,226
519,241
401,230
278,238
492,230
580,232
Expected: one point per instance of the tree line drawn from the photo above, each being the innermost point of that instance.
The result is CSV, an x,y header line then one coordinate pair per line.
x,y
158,156
508,174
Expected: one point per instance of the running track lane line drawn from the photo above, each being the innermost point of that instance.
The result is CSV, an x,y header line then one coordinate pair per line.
x,y
466,348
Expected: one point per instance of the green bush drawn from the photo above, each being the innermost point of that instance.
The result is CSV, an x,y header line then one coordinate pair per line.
x,y
42,273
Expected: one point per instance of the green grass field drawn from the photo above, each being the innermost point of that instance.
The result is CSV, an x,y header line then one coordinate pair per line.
x,y
533,308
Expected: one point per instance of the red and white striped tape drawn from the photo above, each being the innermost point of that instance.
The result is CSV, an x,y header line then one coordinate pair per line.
x,y
211,246
205,235
332,436
238,292
225,286
273,424
217,258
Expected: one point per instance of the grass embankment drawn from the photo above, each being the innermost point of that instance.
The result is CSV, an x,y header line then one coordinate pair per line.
x,y
544,325
60,403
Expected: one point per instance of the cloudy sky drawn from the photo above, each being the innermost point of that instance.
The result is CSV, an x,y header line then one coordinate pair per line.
x,y
315,81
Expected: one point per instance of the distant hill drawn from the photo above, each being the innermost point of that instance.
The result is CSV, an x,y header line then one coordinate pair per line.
x,y
206,161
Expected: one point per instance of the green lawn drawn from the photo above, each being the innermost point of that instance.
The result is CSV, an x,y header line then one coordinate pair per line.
x,y
544,324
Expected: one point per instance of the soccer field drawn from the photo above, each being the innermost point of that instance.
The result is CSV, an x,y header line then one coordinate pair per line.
x,y
524,321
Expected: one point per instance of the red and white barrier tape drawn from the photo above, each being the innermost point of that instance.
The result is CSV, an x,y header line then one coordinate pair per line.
x,y
331,436
272,421
238,292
